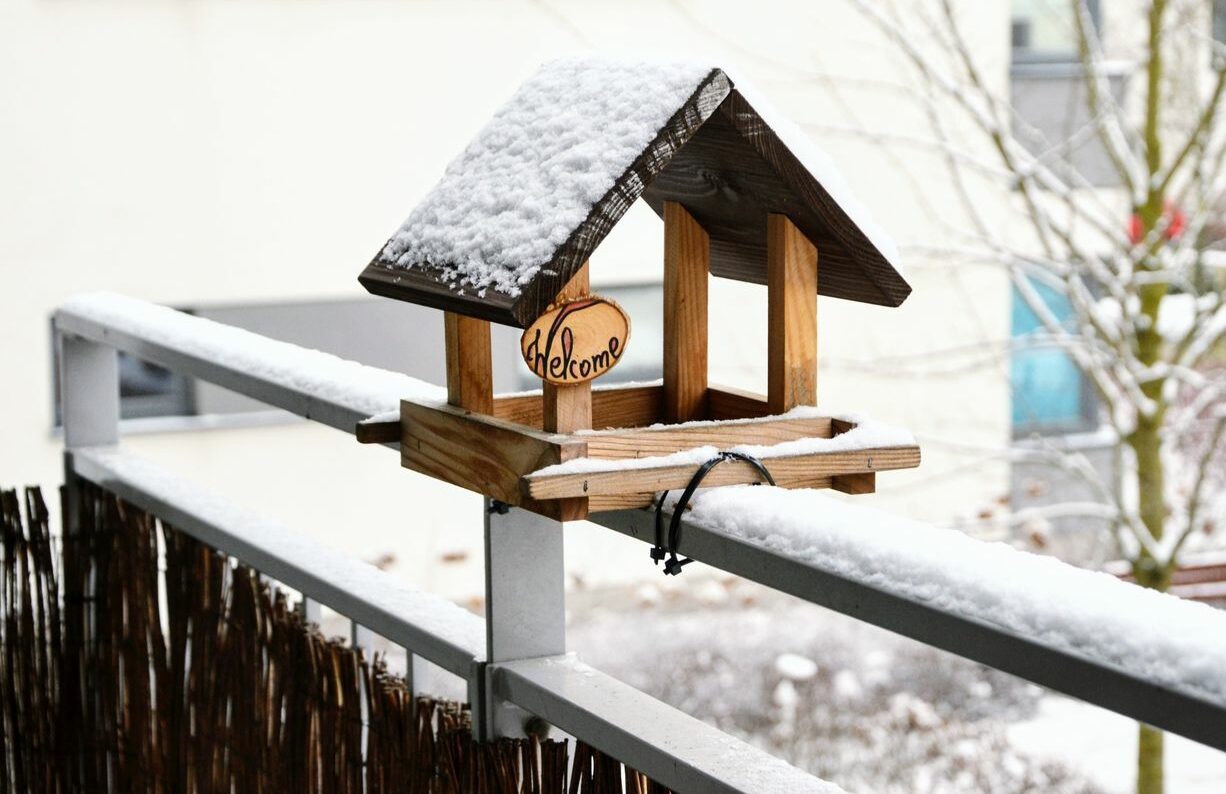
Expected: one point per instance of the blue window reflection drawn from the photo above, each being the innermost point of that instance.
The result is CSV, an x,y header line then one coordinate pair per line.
x,y
1050,394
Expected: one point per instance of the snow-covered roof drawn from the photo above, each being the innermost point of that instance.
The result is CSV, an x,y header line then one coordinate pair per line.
x,y
525,204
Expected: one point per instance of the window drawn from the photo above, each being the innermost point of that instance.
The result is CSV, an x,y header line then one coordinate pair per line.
x,y
1046,30
149,390
1050,394
1048,89
145,390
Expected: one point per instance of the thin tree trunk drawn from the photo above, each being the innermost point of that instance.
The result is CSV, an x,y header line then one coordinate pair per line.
x,y
1146,444
1145,440
1150,761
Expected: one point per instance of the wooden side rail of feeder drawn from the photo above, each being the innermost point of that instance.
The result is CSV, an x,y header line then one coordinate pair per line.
x,y
498,458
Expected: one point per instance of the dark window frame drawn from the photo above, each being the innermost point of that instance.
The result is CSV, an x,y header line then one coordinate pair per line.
x,y
1021,55
139,394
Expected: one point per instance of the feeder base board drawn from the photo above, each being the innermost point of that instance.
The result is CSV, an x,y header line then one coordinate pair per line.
x,y
498,457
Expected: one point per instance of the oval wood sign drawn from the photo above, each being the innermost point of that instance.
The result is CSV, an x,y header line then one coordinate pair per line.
x,y
576,341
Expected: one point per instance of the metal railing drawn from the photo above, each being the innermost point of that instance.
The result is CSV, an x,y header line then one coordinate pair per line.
x,y
515,658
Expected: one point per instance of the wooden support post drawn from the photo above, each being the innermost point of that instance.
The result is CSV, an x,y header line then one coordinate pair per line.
x,y
687,262
791,282
470,369
569,408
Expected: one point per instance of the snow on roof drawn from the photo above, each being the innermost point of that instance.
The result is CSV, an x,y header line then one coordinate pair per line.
x,y
366,390
534,172
1087,613
544,181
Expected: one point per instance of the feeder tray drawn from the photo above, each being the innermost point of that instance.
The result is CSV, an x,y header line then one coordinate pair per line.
x,y
498,455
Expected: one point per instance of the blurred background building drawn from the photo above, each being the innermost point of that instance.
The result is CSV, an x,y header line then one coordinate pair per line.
x,y
243,161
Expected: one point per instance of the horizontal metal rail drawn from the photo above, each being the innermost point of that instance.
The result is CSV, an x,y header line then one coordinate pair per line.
x,y
1106,683
243,362
425,624
668,746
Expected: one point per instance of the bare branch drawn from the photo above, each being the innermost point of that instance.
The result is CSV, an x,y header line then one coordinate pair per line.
x,y
1108,117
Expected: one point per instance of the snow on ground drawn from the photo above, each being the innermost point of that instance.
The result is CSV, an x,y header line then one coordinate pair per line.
x,y
854,704
1104,745
848,702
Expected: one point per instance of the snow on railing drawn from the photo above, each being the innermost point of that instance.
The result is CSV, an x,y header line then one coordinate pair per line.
x,y
309,383
447,634
1146,655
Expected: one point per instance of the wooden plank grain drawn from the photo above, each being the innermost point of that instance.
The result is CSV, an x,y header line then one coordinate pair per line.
x,y
687,255
792,309
377,432
567,408
653,442
615,406
724,402
480,453
856,484
470,368
793,471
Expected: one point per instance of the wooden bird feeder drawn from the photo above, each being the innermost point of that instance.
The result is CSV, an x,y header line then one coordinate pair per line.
x,y
506,237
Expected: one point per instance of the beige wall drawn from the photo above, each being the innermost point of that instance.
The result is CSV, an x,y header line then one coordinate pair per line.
x,y
227,151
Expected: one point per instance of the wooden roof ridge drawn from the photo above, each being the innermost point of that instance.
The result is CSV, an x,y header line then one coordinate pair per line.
x,y
716,121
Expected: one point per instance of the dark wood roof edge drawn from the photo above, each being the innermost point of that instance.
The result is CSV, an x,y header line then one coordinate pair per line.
x,y
420,286
878,270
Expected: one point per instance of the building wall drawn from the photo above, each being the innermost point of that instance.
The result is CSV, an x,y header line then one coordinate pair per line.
x,y
222,153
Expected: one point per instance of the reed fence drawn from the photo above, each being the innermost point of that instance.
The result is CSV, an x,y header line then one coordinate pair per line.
x,y
185,671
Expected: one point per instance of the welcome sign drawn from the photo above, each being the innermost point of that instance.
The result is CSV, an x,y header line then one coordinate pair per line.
x,y
576,341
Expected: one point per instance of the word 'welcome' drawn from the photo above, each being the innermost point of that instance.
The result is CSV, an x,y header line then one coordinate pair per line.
x,y
576,341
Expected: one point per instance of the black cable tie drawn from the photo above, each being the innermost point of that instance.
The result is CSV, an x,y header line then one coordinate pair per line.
x,y
659,551
501,508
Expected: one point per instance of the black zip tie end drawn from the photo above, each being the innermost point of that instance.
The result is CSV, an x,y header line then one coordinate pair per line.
x,y
673,566
661,549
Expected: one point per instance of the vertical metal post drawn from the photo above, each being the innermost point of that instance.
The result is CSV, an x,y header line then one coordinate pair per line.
x,y
89,392
89,411
362,638
311,611
525,603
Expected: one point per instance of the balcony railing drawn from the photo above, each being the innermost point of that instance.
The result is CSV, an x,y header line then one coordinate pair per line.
x,y
1142,654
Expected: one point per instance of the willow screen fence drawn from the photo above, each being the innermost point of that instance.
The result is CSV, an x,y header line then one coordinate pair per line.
x,y
185,671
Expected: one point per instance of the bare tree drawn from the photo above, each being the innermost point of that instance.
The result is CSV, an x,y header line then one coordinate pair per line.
x,y
1125,267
